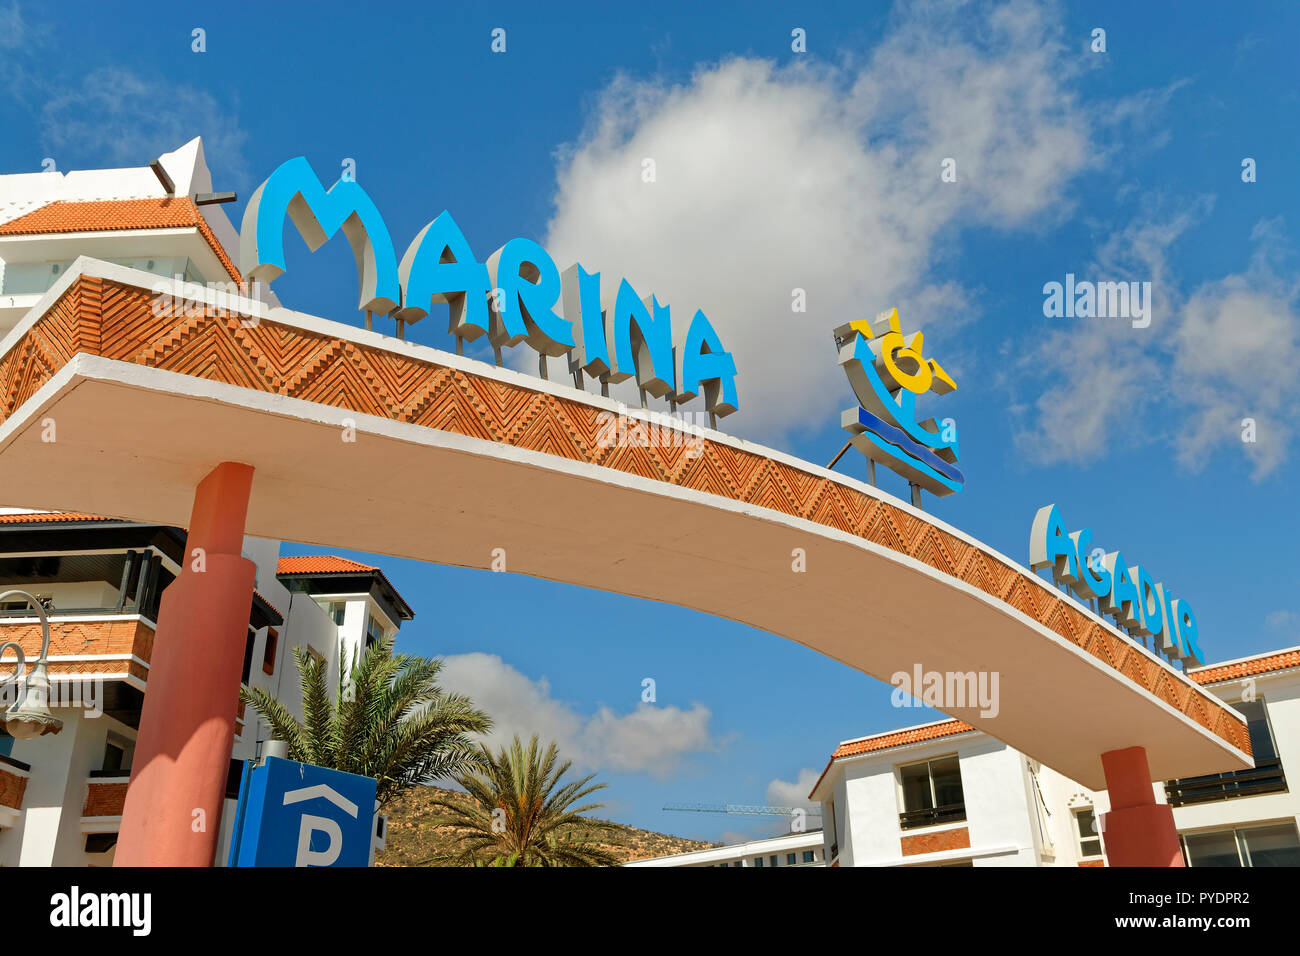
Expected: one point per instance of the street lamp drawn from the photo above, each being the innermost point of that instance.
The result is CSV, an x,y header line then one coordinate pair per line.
x,y
30,715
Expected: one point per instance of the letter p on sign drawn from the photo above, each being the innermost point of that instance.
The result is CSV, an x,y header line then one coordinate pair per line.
x,y
333,833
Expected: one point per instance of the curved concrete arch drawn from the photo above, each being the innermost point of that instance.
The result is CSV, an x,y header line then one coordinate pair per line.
x,y
476,458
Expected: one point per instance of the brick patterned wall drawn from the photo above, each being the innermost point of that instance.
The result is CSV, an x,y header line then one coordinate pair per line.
x,y
104,800
121,322
12,788
81,638
958,839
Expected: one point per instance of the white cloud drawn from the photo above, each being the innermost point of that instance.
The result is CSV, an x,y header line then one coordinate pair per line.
x,y
116,115
1211,359
771,178
786,793
1237,349
13,28
649,738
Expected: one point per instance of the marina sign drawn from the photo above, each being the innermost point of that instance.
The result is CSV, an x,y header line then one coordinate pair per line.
x,y
517,295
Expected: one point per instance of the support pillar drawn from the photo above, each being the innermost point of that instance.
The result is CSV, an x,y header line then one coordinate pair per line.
x,y
1137,830
172,814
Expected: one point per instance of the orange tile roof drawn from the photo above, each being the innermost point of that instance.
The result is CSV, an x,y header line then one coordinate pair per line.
x,y
1250,667
898,738
327,564
50,517
178,212
322,564
894,738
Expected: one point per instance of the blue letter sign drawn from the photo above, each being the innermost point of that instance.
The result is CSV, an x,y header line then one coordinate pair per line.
x,y
512,297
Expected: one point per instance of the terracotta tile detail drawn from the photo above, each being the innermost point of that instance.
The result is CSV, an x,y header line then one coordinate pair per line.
x,y
104,800
80,638
50,517
12,788
109,215
321,564
1248,668
958,839
899,738
118,322
1092,862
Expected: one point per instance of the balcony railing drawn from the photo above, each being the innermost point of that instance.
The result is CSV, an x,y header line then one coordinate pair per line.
x,y
1266,777
930,816
6,760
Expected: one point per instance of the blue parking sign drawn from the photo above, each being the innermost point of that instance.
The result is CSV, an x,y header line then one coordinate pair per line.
x,y
297,814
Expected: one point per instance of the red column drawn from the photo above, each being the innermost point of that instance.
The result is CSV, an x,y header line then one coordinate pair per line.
x,y
1137,830
182,754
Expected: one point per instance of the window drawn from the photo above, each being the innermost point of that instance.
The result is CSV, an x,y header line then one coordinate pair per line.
x,y
790,859
931,793
335,610
1272,845
6,744
774,859
1085,822
113,756
21,607
248,656
758,861
374,631
1266,777
809,856
100,842
739,863
268,654
1261,735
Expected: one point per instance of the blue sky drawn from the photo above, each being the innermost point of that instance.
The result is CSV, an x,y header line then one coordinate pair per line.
x,y
779,170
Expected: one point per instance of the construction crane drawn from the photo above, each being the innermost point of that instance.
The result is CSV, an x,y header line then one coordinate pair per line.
x,y
745,808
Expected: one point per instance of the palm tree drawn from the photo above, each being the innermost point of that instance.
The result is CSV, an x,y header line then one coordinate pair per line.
x,y
517,814
389,720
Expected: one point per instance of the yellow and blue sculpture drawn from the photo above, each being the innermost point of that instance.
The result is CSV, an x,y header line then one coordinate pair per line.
x,y
887,372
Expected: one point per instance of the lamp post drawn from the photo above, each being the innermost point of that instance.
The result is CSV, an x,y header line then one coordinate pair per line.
x,y
30,715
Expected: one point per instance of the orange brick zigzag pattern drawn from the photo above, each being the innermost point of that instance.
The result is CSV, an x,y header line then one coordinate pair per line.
x,y
120,322
78,638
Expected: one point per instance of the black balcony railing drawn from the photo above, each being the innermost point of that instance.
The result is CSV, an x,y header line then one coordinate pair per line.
x,y
950,813
55,613
6,759
1266,777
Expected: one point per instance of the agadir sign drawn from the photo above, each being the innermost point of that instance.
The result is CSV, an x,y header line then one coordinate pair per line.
x,y
1136,601
517,295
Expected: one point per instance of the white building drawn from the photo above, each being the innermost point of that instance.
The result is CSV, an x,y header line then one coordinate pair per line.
x,y
100,579
788,849
945,794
